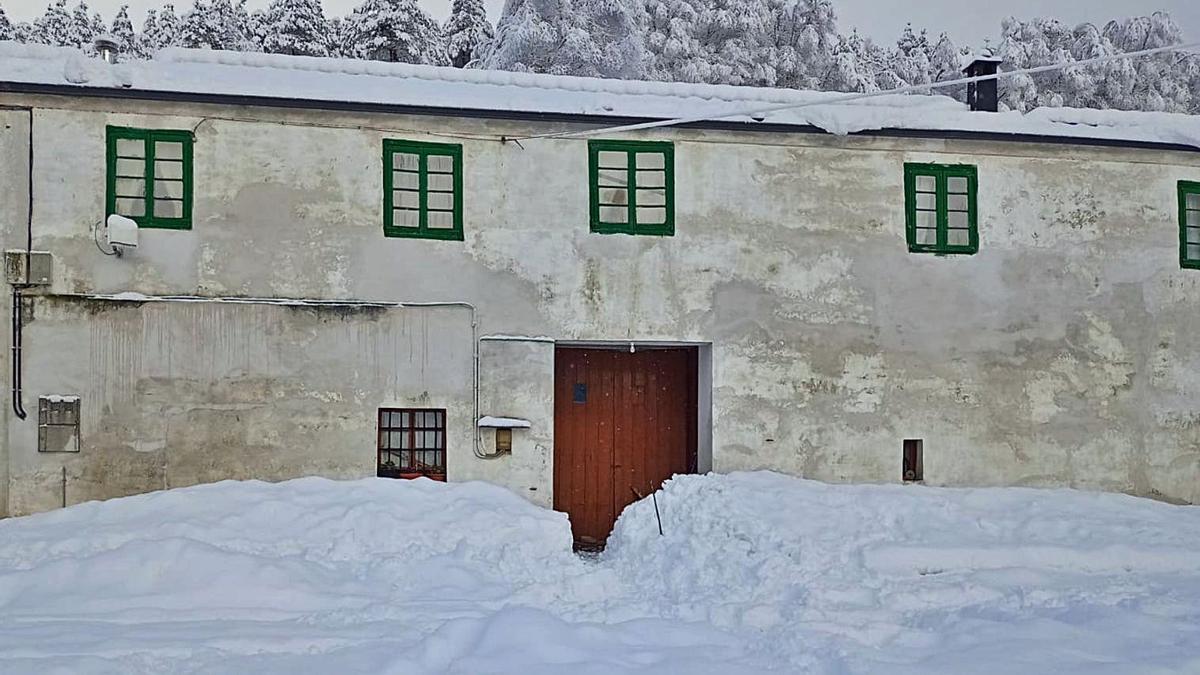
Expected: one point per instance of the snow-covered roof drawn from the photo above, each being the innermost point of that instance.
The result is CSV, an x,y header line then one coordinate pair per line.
x,y
325,81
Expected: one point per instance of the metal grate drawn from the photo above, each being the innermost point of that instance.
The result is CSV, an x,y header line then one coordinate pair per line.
x,y
412,443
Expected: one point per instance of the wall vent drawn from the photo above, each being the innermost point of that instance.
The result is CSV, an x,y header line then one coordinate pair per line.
x,y
58,424
913,467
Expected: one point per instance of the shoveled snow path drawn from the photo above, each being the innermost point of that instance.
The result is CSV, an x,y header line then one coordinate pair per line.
x,y
757,573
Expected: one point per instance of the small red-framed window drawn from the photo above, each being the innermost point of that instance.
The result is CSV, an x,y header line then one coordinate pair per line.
x,y
412,443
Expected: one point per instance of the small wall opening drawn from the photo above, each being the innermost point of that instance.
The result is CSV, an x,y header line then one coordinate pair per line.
x,y
913,466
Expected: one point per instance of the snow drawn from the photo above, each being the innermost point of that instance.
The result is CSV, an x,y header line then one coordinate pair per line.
x,y
489,422
373,82
756,573
57,398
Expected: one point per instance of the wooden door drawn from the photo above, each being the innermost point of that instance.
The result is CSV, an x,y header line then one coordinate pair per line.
x,y
623,423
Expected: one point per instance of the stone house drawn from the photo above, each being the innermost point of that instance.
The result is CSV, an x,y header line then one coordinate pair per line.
x,y
349,268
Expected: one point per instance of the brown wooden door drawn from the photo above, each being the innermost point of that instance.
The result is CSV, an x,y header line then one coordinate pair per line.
x,y
623,423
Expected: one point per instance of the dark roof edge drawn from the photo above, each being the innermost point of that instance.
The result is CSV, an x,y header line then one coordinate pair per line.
x,y
574,118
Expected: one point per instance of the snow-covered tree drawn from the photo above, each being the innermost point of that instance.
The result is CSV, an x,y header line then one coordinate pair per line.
x,y
159,30
593,38
396,30
860,65
122,30
218,24
466,29
715,41
54,27
86,26
6,29
799,42
295,27
910,62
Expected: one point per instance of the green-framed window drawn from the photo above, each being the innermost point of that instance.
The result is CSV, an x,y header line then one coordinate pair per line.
x,y
941,209
632,187
1189,224
150,176
422,190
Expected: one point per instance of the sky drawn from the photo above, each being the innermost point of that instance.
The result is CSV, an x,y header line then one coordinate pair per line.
x,y
969,22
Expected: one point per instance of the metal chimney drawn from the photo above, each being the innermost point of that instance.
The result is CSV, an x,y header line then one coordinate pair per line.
x,y
983,96
108,47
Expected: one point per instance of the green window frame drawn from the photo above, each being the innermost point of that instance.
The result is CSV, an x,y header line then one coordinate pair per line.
x,y
941,208
648,167
150,176
422,190
1189,225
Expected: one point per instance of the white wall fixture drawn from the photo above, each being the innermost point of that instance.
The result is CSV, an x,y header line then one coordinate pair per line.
x,y
120,232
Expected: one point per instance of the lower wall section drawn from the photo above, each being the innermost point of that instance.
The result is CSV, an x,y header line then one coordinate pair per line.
x,y
178,393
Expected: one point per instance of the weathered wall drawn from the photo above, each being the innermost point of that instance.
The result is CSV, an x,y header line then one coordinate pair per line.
x,y
14,167
178,393
1064,353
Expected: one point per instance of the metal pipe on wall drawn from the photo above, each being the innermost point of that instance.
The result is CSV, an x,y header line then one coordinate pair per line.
x,y
17,318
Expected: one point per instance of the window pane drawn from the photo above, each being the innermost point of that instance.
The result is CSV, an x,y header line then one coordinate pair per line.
x,y
402,180
135,168
1193,252
957,184
439,200
651,179
612,178
440,220
131,207
614,196
404,419
441,440
168,150
926,183
1193,218
926,202
441,181
958,219
651,160
404,161
926,219
171,189
406,199
651,197
171,170
957,203
130,187
958,237
442,163
406,218
168,208
1193,201
1193,235
611,159
392,419
614,214
431,439
651,216
926,237
400,440
131,147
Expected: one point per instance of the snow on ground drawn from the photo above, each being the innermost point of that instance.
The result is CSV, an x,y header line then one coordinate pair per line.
x,y
757,573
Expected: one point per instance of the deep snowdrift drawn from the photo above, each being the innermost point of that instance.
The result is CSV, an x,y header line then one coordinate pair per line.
x,y
756,573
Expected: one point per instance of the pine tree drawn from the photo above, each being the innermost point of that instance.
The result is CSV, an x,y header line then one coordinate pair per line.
x,y
54,27
296,27
591,38
396,30
122,30
86,26
465,30
799,42
714,41
160,29
218,24
6,29
910,61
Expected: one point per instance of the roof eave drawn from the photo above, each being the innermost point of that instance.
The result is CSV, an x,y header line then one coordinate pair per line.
x,y
556,117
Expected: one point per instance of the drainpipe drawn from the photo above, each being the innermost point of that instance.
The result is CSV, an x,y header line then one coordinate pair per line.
x,y
17,318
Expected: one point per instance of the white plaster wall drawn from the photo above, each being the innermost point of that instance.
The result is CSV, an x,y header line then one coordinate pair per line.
x,y
1062,354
